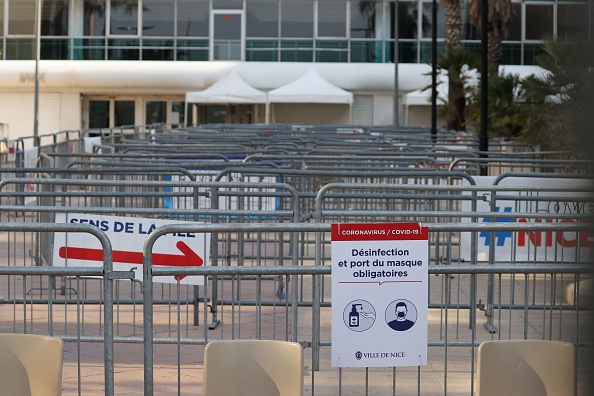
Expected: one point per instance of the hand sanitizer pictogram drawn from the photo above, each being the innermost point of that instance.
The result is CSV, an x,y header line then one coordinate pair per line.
x,y
354,316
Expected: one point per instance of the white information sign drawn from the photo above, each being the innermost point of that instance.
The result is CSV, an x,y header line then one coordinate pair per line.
x,y
30,157
533,246
379,295
90,143
127,236
11,146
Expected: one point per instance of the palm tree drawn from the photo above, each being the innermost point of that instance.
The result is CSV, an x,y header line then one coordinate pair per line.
x,y
506,111
500,15
562,98
458,64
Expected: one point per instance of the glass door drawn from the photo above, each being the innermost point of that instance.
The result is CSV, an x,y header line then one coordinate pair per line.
x,y
102,112
155,112
227,35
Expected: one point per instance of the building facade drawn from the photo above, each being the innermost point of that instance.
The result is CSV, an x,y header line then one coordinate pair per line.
x,y
104,63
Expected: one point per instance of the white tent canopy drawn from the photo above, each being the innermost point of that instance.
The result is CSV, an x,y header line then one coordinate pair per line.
x,y
310,88
229,89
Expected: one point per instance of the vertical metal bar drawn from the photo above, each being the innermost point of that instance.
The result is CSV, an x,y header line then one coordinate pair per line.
x,y
147,290
577,329
108,314
393,381
526,300
434,71
445,347
396,62
419,380
316,307
484,133
259,307
36,141
366,381
340,381
472,335
489,308
178,338
78,333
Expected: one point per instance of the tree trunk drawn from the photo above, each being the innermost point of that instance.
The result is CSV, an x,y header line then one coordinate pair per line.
x,y
456,117
453,36
494,49
453,24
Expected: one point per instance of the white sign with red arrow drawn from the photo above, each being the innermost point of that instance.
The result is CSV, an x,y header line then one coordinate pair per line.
x,y
127,236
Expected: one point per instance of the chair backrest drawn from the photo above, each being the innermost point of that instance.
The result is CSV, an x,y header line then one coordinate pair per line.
x,y
526,368
30,365
253,367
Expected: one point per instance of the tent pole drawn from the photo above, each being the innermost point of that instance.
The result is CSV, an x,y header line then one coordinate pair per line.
x,y
267,113
351,113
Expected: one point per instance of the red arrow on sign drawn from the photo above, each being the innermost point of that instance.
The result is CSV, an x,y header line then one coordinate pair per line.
x,y
186,259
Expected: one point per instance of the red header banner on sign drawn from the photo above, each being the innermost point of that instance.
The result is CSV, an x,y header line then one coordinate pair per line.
x,y
379,232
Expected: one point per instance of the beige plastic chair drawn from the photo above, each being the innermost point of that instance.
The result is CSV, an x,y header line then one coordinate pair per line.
x,y
525,368
30,365
253,367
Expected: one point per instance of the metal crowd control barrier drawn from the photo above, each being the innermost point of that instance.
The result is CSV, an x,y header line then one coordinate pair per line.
x,y
521,199
192,201
505,164
105,272
564,319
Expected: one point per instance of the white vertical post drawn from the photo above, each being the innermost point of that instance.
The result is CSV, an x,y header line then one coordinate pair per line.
x,y
37,56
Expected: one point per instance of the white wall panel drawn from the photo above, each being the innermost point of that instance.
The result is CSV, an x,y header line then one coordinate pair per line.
x,y
18,111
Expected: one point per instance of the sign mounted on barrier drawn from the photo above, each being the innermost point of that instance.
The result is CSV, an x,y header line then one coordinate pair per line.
x,y
127,236
531,246
379,295
30,157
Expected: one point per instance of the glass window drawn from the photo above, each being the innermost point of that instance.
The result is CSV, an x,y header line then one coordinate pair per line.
x,y
55,48
297,51
227,4
407,52
124,113
54,18
158,54
240,114
1,21
331,18
21,17
156,112
94,17
531,51
332,51
407,20
99,114
227,36
366,51
20,48
192,18
214,114
261,50
514,30
262,18
539,20
177,113
572,19
363,19
124,17
157,18
512,54
297,18
427,20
